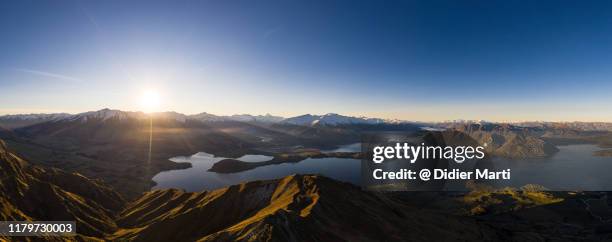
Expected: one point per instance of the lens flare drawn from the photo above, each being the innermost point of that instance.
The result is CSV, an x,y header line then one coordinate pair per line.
x,y
149,101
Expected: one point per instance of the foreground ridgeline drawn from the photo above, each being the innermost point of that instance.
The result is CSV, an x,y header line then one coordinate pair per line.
x,y
295,208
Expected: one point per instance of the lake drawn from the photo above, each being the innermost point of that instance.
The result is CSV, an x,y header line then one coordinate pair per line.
x,y
572,168
356,147
198,178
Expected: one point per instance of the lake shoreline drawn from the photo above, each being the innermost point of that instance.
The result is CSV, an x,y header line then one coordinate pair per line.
x,y
234,166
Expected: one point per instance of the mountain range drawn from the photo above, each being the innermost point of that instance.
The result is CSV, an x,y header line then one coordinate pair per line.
x,y
22,120
331,119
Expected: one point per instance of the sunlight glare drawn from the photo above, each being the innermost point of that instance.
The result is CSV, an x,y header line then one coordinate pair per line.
x,y
149,101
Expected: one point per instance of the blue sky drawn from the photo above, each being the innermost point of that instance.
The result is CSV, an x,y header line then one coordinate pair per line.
x,y
414,60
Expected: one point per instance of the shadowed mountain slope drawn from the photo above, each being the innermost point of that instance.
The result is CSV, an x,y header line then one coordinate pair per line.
x,y
33,193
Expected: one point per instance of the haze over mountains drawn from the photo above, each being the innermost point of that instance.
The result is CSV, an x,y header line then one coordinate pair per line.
x,y
21,120
331,119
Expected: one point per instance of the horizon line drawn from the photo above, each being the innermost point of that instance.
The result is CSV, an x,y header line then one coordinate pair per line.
x,y
2,114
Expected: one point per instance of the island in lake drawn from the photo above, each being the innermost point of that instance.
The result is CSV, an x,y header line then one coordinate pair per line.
x,y
234,165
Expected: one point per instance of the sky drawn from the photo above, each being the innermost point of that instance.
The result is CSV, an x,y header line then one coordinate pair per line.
x,y
411,60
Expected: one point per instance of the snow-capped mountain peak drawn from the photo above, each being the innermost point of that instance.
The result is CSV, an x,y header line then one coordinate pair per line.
x,y
118,115
104,115
207,117
172,116
331,119
36,116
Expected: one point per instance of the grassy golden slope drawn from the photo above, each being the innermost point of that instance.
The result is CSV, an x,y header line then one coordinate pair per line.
x,y
32,193
294,208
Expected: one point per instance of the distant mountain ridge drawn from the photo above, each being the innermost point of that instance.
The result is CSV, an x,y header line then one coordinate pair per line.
x,y
34,116
22,120
104,114
575,125
207,117
584,126
331,119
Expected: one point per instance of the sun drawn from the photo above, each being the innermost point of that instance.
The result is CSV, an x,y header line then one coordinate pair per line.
x,y
149,101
